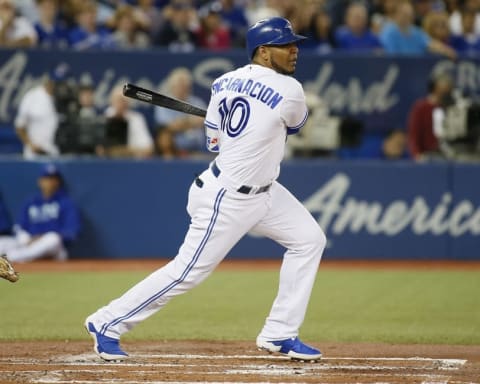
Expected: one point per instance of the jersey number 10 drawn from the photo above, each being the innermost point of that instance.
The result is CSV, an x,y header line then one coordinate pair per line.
x,y
235,117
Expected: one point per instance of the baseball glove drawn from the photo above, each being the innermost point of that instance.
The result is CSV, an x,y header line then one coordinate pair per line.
x,y
7,271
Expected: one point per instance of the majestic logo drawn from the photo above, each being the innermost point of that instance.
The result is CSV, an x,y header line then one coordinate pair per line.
x,y
339,213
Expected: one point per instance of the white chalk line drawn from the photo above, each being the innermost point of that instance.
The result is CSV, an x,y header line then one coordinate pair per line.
x,y
91,360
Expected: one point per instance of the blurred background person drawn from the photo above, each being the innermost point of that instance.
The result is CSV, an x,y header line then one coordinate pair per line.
x,y
149,16
16,31
435,24
127,32
402,37
456,8
355,34
320,35
468,41
235,18
126,131
48,223
212,33
178,32
179,134
422,141
37,118
52,32
82,127
383,13
87,34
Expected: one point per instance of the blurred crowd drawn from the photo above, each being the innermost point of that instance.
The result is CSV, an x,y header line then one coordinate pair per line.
x,y
448,27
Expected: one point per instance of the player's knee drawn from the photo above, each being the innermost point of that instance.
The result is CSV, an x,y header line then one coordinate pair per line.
x,y
53,240
316,239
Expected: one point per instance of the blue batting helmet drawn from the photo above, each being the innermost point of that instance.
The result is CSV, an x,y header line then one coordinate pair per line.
x,y
272,31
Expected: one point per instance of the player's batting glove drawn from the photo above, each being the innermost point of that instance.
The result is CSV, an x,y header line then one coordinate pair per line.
x,y
7,271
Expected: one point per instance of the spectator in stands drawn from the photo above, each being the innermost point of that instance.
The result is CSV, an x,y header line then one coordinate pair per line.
x,y
178,32
421,8
149,17
435,24
422,141
403,37
355,34
462,6
468,42
48,223
127,133
127,30
234,16
87,34
15,31
179,134
320,36
37,119
213,33
27,8
259,10
51,32
383,14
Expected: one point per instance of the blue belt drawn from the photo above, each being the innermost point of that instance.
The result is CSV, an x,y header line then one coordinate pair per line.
x,y
246,189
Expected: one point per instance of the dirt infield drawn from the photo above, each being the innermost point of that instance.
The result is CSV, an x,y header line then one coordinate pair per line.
x,y
160,362
237,362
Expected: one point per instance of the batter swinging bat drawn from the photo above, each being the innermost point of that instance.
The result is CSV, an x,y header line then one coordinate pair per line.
x,y
135,92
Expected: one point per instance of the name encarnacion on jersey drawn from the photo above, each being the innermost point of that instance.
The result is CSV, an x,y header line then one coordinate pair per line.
x,y
255,89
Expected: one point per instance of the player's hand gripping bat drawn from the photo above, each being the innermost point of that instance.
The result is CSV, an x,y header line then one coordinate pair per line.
x,y
135,92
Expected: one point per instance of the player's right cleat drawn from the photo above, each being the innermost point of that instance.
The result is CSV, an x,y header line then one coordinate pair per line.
x,y
6,270
106,347
292,347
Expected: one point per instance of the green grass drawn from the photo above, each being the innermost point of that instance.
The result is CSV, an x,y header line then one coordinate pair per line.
x,y
392,306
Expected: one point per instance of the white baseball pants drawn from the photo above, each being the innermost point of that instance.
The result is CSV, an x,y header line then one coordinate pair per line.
x,y
21,249
219,219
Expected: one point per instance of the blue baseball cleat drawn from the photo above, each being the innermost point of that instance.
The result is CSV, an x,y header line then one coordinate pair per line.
x,y
106,347
292,347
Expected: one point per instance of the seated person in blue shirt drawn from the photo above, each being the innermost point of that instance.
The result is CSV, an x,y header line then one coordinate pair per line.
x,y
52,33
87,34
320,36
355,35
48,223
401,36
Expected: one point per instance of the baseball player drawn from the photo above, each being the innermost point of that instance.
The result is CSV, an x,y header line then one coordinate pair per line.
x,y
251,111
48,223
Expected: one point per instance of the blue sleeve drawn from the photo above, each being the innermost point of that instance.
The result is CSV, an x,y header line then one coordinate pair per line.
x,y
70,226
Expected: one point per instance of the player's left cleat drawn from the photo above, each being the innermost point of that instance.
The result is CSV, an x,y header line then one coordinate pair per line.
x,y
6,270
292,347
106,347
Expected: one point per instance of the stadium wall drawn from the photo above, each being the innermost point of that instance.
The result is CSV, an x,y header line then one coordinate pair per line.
x,y
369,209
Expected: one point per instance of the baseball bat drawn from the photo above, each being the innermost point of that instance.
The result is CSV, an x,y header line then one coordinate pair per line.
x,y
138,93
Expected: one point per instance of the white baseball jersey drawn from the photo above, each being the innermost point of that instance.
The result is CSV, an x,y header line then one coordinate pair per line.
x,y
251,111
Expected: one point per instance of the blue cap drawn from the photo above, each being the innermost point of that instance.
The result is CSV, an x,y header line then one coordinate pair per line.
x,y
60,72
50,170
